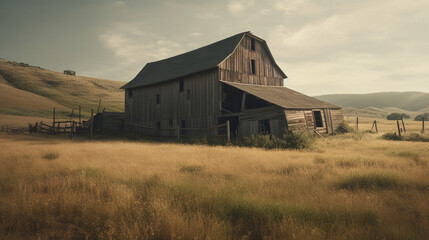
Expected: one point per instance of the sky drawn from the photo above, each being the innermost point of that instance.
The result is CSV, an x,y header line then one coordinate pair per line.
x,y
323,46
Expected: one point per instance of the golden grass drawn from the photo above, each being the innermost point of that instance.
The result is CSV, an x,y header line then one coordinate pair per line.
x,y
345,188
51,89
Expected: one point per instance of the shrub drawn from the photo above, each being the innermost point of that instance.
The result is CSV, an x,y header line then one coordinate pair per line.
x,y
291,140
397,116
192,169
50,155
421,116
391,136
345,127
368,181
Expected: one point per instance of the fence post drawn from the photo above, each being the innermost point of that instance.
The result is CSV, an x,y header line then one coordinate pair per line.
x,y
399,129
79,116
228,134
91,123
423,124
178,132
72,130
403,124
53,121
376,128
357,123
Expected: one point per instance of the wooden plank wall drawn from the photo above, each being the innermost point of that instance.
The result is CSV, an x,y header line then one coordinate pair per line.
x,y
304,120
200,111
337,118
249,120
237,67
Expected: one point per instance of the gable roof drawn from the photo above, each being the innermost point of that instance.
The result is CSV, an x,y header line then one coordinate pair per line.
x,y
198,60
282,96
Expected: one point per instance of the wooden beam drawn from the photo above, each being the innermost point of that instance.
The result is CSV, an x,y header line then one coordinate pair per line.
x,y
53,121
423,124
79,116
403,124
228,134
243,101
91,123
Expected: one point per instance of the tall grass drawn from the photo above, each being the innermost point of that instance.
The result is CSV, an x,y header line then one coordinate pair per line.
x,y
132,190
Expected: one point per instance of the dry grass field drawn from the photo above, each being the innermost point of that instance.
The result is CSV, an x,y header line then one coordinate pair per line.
x,y
353,186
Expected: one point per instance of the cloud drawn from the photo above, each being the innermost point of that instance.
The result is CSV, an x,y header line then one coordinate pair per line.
x,y
195,34
237,7
131,45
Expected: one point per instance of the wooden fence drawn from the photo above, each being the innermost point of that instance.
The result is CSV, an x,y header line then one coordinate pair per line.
x,y
11,129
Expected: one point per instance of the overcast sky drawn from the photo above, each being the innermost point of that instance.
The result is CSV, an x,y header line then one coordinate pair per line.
x,y
324,46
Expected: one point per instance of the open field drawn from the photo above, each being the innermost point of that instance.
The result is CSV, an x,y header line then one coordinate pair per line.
x,y
353,186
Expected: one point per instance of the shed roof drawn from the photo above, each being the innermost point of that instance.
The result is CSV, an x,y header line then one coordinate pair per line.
x,y
198,60
282,96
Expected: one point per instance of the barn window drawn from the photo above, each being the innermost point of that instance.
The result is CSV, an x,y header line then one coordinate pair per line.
x,y
181,85
157,99
318,118
264,126
252,44
188,94
253,66
130,93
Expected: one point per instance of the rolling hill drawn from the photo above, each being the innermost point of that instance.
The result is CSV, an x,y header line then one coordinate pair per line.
x,y
33,91
408,101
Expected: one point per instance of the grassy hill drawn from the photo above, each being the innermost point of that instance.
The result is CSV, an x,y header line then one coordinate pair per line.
x,y
408,101
33,91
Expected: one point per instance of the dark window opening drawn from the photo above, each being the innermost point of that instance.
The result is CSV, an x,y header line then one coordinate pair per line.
x,y
181,85
252,44
130,93
318,118
264,126
253,66
157,99
188,94
158,125
170,123
182,126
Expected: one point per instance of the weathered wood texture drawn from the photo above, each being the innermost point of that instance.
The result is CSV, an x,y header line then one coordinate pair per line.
x,y
199,111
304,119
238,67
249,120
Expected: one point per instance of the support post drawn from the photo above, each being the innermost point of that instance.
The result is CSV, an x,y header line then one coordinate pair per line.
x,y
79,116
53,121
423,124
228,133
357,123
178,132
403,124
91,123
399,129
243,101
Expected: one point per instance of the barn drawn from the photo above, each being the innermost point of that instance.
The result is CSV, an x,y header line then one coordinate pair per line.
x,y
235,79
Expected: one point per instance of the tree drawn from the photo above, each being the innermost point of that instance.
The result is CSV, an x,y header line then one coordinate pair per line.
x,y
397,116
420,117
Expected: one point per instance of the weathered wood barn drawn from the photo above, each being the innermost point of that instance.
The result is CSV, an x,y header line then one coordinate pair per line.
x,y
235,79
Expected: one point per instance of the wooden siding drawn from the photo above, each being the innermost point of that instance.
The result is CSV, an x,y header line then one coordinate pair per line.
x,y
249,120
237,67
304,120
200,111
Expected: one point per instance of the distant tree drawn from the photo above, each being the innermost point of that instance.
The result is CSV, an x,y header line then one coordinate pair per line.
x,y
420,117
397,116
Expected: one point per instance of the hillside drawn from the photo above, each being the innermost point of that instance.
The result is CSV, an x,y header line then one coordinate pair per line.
x,y
33,91
409,101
